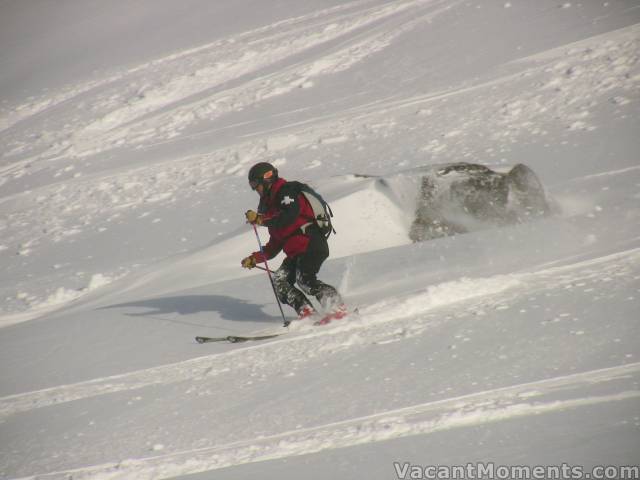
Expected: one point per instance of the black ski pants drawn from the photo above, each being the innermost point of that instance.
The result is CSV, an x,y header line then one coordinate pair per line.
x,y
303,270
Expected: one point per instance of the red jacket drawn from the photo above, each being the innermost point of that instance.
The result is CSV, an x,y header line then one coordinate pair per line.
x,y
285,210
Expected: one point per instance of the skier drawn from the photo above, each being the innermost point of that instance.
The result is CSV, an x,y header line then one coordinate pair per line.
x,y
289,217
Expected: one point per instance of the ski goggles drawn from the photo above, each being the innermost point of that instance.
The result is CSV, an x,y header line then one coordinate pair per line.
x,y
266,178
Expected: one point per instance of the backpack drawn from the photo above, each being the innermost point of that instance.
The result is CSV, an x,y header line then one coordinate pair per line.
x,y
321,209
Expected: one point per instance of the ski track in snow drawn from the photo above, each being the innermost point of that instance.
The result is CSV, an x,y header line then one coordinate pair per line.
x,y
139,114
533,398
385,321
201,56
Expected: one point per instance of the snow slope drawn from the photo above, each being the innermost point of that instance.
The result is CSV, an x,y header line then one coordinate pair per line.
x,y
126,133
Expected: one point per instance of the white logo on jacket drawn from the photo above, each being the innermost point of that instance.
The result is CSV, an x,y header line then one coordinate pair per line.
x,y
287,200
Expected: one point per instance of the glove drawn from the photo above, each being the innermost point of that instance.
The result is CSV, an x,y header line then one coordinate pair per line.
x,y
253,217
249,262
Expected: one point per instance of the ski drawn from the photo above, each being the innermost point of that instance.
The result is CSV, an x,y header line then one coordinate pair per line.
x,y
237,338
332,316
255,338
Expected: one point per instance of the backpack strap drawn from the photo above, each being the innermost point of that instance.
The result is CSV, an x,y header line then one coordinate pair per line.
x,y
321,209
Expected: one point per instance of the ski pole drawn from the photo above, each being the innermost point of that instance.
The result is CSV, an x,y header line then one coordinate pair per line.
x,y
268,270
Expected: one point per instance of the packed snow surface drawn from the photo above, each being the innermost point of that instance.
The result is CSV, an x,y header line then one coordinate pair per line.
x,y
126,133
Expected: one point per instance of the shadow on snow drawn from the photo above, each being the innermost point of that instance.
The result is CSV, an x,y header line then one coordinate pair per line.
x,y
228,308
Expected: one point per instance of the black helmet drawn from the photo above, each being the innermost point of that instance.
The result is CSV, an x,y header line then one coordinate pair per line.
x,y
262,173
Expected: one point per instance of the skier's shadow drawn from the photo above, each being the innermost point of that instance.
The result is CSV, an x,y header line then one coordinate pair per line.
x,y
227,308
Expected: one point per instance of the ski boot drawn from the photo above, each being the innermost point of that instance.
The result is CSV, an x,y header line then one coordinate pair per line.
x,y
306,312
